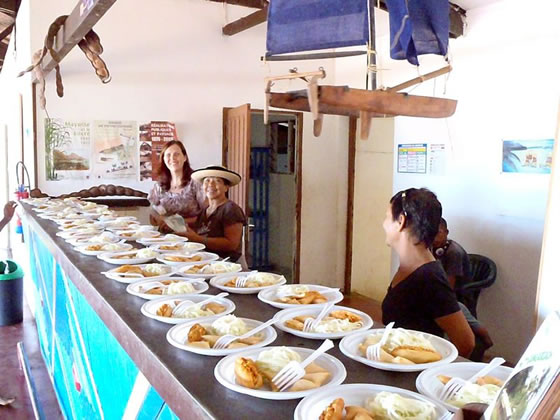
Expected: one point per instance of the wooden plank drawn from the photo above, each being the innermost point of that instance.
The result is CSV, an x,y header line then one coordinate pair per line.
x,y
341,100
256,4
3,49
246,22
79,22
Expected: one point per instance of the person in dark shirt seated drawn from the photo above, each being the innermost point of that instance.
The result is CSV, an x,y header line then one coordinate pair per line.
x,y
419,296
455,261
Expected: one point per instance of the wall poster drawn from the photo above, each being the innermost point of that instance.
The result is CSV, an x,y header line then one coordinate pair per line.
x,y
412,158
527,156
153,136
115,149
67,149
437,159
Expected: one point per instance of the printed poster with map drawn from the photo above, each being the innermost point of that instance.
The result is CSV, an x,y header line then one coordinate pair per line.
x,y
67,149
115,152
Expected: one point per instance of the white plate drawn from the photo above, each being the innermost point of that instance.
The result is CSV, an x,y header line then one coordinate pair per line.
x,y
112,274
184,247
113,218
349,346
169,238
83,250
235,268
269,295
78,233
353,394
89,240
428,384
110,257
225,375
286,314
150,308
200,286
221,279
177,336
134,235
206,258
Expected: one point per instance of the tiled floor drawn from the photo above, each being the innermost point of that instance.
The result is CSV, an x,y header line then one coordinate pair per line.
x,y
12,380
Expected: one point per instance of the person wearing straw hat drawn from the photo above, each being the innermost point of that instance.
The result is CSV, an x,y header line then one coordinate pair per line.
x,y
219,226
9,210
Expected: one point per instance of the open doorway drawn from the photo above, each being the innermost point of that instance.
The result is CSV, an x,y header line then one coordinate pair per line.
x,y
269,157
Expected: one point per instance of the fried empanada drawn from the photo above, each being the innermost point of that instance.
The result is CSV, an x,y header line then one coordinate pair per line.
x,y
196,333
129,269
489,380
215,307
165,310
333,411
247,374
341,314
292,323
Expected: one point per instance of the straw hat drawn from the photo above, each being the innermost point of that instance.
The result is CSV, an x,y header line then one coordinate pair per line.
x,y
216,171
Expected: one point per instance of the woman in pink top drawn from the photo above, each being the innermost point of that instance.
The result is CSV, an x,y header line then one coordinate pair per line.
x,y
175,192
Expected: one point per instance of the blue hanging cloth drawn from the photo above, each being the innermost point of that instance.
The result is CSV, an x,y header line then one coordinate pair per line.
x,y
418,27
304,25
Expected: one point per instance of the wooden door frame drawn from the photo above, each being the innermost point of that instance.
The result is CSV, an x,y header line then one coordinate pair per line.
x,y
298,170
352,128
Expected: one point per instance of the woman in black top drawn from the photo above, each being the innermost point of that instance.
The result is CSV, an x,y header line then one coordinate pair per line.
x,y
419,296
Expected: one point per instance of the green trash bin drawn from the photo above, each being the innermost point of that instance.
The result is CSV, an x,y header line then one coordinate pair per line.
x,y
11,293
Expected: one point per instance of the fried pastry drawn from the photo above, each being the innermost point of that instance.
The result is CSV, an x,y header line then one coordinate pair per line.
x,y
129,269
416,354
489,380
125,256
215,307
333,411
165,310
342,314
181,258
195,269
247,373
171,247
95,247
310,297
196,332
354,412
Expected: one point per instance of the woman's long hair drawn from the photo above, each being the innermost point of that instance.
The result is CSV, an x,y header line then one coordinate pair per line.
x,y
164,174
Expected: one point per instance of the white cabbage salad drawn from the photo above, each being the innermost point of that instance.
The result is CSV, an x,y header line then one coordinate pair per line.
x,y
113,247
192,311
276,358
146,253
156,269
103,237
401,337
292,290
474,393
220,267
229,324
391,406
261,280
336,325
179,288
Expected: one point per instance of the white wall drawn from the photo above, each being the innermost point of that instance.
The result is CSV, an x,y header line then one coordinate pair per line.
x,y
171,62
505,77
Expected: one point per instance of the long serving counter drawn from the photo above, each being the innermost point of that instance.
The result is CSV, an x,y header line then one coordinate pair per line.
x,y
107,360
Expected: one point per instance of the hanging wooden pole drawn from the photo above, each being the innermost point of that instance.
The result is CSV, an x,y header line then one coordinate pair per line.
x,y
420,79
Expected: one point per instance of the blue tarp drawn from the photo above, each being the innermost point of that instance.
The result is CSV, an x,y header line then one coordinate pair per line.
x,y
304,25
418,27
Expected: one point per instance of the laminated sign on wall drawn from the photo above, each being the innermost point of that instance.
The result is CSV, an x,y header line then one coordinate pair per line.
x,y
115,149
412,158
153,136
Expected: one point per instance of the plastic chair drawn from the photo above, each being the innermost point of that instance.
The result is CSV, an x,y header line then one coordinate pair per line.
x,y
483,275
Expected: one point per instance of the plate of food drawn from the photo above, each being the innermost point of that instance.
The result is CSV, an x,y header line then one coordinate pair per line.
x,y
154,289
132,256
176,309
135,234
339,322
102,238
404,351
250,372
182,259
130,273
431,382
367,402
200,336
86,230
119,224
295,295
178,247
209,270
112,218
256,281
170,238
100,248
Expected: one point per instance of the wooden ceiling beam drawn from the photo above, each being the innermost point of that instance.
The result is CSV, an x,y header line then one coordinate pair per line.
x,y
78,23
9,7
255,4
3,49
254,19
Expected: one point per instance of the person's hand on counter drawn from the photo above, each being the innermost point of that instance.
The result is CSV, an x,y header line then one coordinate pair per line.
x,y
158,220
9,210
